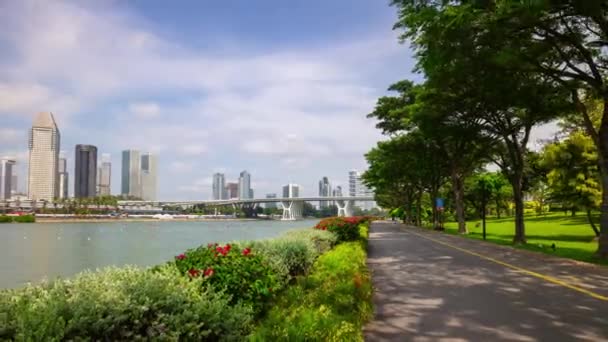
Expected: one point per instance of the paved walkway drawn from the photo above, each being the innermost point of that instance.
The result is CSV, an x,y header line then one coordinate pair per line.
x,y
436,287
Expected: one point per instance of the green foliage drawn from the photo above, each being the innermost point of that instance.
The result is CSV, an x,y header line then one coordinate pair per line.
x,y
331,304
121,304
17,219
241,272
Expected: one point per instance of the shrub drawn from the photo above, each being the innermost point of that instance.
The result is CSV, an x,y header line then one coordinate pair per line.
x,y
331,304
24,219
121,304
323,240
242,273
5,219
345,228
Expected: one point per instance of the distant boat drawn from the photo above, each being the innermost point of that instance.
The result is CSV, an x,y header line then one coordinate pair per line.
x,y
163,217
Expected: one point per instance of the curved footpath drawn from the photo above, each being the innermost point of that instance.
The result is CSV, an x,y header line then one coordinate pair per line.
x,y
437,287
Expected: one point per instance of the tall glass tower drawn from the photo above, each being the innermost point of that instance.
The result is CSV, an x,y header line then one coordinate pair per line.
x,y
85,171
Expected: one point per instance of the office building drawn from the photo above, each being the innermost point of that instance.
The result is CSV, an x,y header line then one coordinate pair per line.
x,y
291,191
232,190
337,192
270,205
245,185
149,178
6,178
44,144
356,188
104,176
131,174
219,186
324,191
63,178
85,171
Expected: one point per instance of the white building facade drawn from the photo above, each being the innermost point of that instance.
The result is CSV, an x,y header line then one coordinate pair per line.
x,y
149,178
44,144
6,178
245,191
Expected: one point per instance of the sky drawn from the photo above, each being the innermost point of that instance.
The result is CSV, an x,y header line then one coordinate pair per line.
x,y
278,88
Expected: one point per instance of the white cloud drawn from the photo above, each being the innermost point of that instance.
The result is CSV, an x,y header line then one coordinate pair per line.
x,y
192,150
11,136
145,110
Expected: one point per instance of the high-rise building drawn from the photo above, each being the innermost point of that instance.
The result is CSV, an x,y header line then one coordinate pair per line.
x,y
232,190
291,191
245,185
104,176
356,188
14,182
44,143
219,186
324,191
337,192
270,205
85,171
251,193
63,178
6,178
149,177
131,174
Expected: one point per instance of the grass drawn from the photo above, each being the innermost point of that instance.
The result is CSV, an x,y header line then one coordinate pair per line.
x,y
330,304
572,236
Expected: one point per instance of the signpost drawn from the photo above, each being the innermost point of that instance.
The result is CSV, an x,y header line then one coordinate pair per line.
x,y
440,208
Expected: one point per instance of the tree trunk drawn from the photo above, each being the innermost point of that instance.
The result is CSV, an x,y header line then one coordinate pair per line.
x,y
435,218
595,230
497,208
518,198
602,250
458,189
419,209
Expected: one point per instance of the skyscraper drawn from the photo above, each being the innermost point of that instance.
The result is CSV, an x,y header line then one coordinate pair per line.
x,y
324,191
131,173
245,185
219,186
232,190
14,182
85,171
104,183
356,188
337,192
44,143
63,178
6,178
148,177
291,191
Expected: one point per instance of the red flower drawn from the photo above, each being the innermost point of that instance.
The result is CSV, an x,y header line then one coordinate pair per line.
x,y
227,247
246,251
181,257
193,272
208,272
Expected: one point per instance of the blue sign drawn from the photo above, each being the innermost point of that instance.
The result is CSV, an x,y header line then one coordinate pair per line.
x,y
439,202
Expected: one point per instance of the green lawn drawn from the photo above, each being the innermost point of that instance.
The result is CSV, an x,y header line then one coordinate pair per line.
x,y
573,237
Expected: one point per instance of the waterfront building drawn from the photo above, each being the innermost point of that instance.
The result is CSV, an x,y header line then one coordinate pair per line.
x,y
44,144
219,186
63,178
291,191
149,177
85,171
324,191
104,176
251,194
245,185
232,190
131,173
6,178
14,182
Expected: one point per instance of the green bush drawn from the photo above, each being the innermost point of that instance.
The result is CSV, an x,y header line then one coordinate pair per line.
x,y
331,304
6,219
323,240
24,219
243,273
121,304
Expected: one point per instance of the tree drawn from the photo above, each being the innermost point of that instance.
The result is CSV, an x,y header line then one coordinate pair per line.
x,y
574,176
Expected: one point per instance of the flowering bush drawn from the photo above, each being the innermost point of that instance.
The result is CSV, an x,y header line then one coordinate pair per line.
x,y
239,271
120,304
345,228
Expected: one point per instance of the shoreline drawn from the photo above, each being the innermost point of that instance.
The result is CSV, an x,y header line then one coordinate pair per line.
x,y
138,219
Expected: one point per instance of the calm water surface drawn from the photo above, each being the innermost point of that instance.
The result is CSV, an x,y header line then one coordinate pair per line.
x,y
31,252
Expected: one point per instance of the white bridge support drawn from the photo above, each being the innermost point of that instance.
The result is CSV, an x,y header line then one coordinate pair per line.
x,y
292,210
345,208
